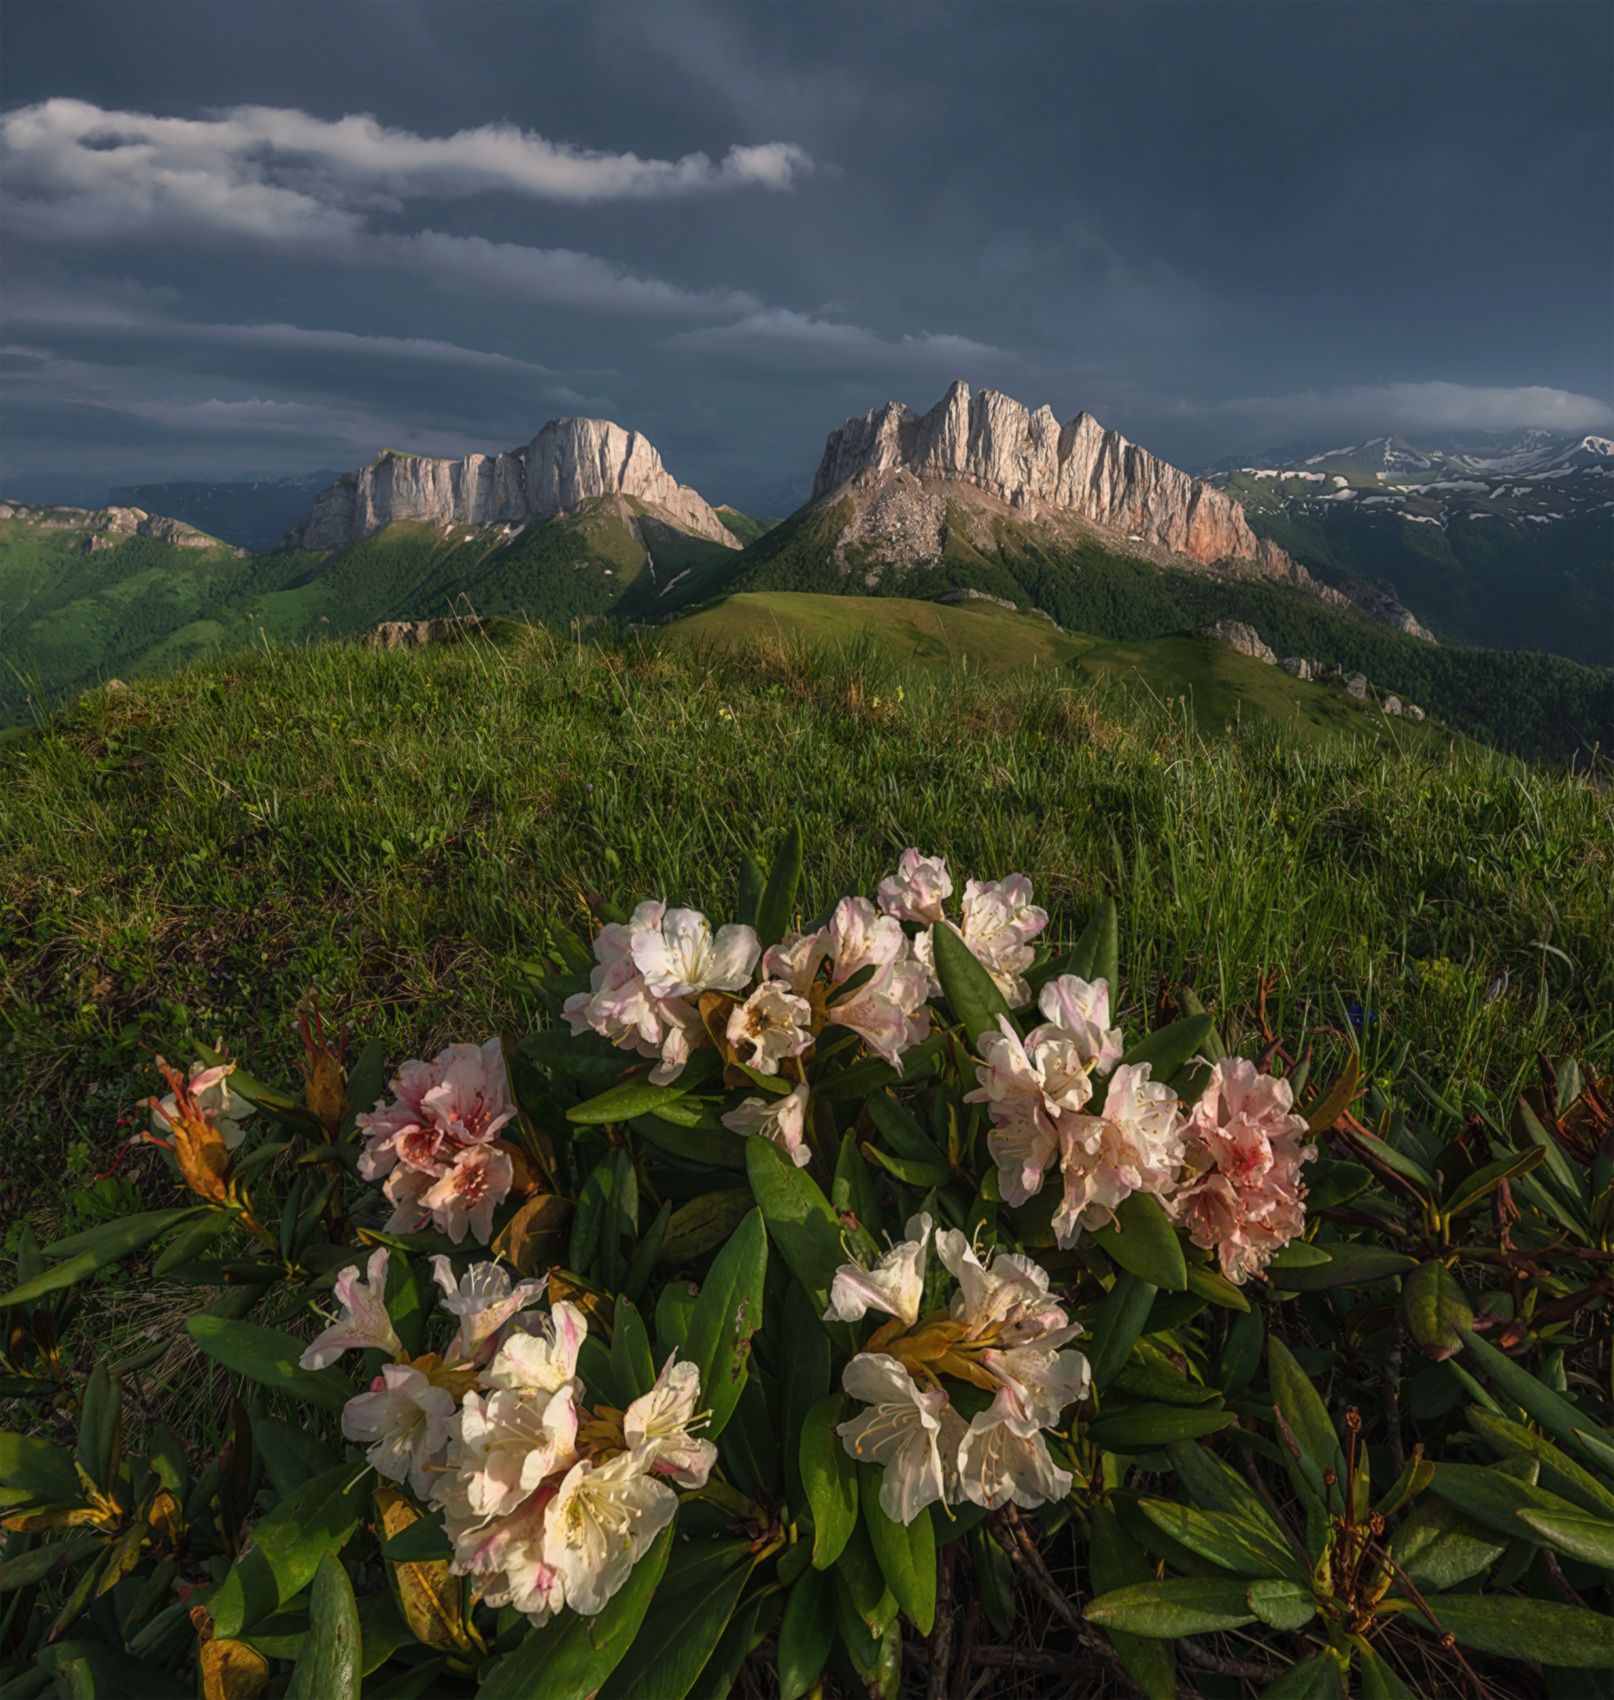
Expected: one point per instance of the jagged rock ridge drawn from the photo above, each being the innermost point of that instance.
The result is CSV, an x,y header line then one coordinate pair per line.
x,y
900,468
569,462
105,528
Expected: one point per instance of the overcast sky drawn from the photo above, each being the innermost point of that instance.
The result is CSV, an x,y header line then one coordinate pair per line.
x,y
262,238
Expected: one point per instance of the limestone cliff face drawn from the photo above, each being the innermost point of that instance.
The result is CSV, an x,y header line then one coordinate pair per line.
x,y
568,463
1031,462
898,467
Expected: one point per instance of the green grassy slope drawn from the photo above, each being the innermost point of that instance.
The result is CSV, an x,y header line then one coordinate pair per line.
x,y
1532,704
1217,684
183,861
72,618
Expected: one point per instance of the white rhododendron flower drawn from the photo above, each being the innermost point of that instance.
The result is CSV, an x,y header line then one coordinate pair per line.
x,y
364,1324
888,1009
900,1431
600,1524
680,958
1080,1011
771,1025
917,890
1001,1331
894,1285
542,1360
223,1109
783,1120
486,1304
404,1419
1242,1192
649,970
433,1144
657,1427
1134,1145
508,1443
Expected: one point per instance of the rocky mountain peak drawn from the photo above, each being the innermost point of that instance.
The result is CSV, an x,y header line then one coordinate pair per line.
x,y
568,463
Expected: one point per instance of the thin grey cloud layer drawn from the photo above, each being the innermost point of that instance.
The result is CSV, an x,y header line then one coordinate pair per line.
x,y
248,237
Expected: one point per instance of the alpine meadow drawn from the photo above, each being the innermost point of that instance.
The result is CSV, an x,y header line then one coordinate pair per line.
x,y
672,1030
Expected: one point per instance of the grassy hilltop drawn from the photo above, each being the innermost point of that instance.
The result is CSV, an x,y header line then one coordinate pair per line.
x,y
182,861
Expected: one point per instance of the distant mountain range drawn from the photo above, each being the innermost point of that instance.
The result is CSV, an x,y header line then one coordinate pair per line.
x,y
253,513
1502,539
980,494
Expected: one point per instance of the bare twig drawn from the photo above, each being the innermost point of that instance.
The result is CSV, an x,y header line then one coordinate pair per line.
x,y
940,1648
1247,1669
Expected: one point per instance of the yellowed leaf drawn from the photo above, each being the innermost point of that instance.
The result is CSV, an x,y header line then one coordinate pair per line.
x,y
231,1670
431,1599
533,1238
1338,1098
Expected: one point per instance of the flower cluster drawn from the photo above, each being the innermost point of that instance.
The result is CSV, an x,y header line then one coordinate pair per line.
x,y
435,1143
547,1500
1228,1167
1000,1334
1241,1190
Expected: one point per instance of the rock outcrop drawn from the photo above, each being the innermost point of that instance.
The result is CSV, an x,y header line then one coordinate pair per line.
x,y
1032,463
901,470
1299,666
416,634
569,462
1245,639
105,528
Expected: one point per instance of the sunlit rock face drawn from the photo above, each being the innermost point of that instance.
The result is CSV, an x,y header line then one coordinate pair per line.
x,y
567,464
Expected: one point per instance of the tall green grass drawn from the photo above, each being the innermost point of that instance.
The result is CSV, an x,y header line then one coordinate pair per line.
x,y
185,860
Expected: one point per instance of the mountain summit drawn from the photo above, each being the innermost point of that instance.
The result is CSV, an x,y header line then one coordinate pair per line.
x,y
570,463
900,489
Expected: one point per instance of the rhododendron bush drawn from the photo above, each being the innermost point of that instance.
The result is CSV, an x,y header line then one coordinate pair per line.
x,y
874,1300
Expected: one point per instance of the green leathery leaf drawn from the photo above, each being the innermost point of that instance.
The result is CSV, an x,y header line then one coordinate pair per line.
x,y
686,1621
1434,1306
1556,1414
972,994
1169,1047
829,1478
1179,1606
1143,1428
726,1315
269,1356
1560,1474
287,1544
1121,1316
1543,1631
777,904
1348,1265
1117,1561
905,1552
328,1667
1306,1417
806,1633
1317,1678
1579,1534
623,1102
1143,1242
1228,1539
82,1254
631,1360
800,1222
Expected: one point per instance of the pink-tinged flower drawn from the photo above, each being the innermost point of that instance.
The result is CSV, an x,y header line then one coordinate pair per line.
x,y
1004,1457
602,1522
404,1418
1242,1191
900,1431
998,922
459,1099
404,1189
1134,1145
220,1107
772,1024
888,1010
503,1557
782,1120
465,1198
1080,1010
658,1427
895,1285
623,1006
545,1358
364,1324
506,1443
1006,1297
1026,1085
680,958
486,1305
917,890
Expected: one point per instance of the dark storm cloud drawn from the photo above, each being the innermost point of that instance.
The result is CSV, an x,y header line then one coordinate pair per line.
x,y
269,237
